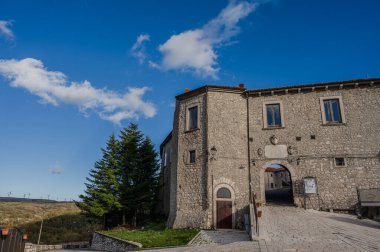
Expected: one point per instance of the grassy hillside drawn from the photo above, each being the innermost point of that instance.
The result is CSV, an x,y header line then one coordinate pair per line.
x,y
62,221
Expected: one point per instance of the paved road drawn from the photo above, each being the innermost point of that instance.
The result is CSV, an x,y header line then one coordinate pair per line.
x,y
294,229
286,228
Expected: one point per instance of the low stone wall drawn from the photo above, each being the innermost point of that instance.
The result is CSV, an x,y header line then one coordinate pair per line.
x,y
30,247
104,242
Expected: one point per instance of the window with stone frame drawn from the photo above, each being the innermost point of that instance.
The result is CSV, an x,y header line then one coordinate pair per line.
x,y
332,111
273,115
193,118
192,156
164,158
340,162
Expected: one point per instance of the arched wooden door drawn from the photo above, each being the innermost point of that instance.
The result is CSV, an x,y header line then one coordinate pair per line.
x,y
223,208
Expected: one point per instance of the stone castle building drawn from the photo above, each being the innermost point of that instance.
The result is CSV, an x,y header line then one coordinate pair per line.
x,y
224,138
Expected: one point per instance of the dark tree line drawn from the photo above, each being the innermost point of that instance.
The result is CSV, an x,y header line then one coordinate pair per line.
x,y
124,181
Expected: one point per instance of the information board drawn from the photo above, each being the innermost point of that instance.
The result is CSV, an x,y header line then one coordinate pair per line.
x,y
310,185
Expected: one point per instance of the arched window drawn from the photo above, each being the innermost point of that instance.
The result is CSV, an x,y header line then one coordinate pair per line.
x,y
223,193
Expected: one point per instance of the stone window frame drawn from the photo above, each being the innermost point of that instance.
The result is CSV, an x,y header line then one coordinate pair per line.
x,y
341,108
164,157
265,118
344,160
189,156
187,123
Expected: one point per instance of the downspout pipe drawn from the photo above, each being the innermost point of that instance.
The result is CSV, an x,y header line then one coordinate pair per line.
x,y
249,151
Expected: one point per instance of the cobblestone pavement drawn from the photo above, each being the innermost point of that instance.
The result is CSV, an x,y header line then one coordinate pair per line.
x,y
289,229
285,228
224,240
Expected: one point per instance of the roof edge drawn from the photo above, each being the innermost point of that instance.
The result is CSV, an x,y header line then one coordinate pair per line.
x,y
213,88
167,139
323,85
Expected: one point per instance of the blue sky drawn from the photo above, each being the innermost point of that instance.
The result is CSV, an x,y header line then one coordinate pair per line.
x,y
73,72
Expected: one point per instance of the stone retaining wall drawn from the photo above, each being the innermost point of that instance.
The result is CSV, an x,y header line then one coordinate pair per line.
x,y
30,247
104,242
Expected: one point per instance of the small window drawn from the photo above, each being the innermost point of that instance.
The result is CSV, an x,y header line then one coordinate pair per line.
x,y
271,174
271,185
273,115
192,156
165,158
298,138
332,111
223,193
340,162
193,118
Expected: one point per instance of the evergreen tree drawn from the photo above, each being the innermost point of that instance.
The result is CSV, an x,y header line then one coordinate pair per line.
x,y
139,176
130,141
102,188
124,180
147,179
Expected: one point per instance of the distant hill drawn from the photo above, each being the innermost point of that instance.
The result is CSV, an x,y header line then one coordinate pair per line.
x,y
63,222
14,199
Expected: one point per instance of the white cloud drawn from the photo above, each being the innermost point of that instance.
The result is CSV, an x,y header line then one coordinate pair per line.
x,y
53,88
55,170
194,50
138,49
5,30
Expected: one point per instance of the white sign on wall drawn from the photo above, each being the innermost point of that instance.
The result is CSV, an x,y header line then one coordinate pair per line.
x,y
310,185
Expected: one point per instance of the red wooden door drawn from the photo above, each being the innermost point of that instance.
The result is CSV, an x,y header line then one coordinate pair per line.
x,y
223,214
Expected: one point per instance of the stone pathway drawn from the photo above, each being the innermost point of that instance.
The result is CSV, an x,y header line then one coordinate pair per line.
x,y
225,240
285,228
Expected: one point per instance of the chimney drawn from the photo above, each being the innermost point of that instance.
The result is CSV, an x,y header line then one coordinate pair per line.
x,y
187,90
241,85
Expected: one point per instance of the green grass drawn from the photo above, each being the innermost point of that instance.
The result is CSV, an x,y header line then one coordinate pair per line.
x,y
155,235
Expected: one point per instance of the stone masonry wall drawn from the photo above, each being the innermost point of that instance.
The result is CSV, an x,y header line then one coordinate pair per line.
x,y
102,242
227,131
357,140
189,181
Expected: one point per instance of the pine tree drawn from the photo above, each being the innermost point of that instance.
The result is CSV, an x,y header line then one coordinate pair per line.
x,y
130,141
146,179
139,168
102,188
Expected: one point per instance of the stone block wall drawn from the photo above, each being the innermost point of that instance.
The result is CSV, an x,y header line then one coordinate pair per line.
x,y
227,132
102,242
188,206
357,141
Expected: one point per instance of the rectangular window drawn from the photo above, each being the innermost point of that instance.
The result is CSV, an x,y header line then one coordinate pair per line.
x,y
340,162
273,115
332,111
193,118
192,156
170,155
271,185
165,158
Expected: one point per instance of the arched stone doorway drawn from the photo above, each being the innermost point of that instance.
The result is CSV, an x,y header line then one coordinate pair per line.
x,y
277,184
224,206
